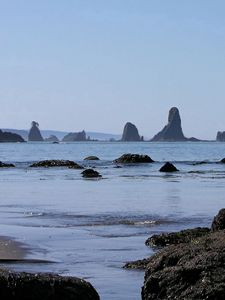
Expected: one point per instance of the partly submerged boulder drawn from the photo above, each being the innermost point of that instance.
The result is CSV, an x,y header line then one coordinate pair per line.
x,y
6,165
168,167
41,286
92,157
9,137
34,133
130,133
90,173
133,158
56,163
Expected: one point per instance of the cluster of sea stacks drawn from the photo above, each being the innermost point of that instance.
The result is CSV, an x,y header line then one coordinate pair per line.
x,y
172,132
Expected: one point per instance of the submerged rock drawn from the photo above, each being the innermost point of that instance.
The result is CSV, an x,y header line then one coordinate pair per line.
x,y
183,236
168,167
130,133
34,133
5,165
219,221
10,137
90,173
133,158
40,286
91,158
56,163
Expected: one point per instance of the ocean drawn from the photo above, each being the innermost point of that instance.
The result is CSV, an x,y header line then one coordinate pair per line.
x,y
91,228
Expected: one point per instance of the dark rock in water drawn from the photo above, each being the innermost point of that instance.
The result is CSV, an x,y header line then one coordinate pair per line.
x,y
56,163
223,161
90,173
91,158
183,236
193,270
16,286
52,138
75,137
220,137
34,133
10,137
173,130
130,133
219,221
4,165
168,167
133,158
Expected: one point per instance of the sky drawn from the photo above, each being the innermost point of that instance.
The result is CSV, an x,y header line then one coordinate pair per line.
x,y
96,64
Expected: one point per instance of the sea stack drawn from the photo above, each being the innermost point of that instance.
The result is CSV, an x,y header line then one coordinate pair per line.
x,y
10,137
34,133
130,133
220,136
75,137
172,132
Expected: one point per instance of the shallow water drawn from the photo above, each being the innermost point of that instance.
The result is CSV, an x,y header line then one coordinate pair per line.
x,y
90,228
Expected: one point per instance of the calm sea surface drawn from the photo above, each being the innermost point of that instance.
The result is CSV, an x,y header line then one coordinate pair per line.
x,y
90,228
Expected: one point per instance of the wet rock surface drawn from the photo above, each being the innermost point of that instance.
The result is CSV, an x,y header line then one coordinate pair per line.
x,y
168,167
130,133
92,157
90,173
5,165
56,163
133,158
40,286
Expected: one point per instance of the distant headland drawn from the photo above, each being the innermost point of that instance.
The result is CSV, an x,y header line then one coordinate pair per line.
x,y
171,132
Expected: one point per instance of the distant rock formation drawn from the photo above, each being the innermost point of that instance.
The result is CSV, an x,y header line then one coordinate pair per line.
x,y
172,132
75,137
10,137
52,138
220,136
34,133
130,133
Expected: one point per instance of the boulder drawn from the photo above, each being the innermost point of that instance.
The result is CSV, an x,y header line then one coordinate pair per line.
x,y
220,137
133,158
90,173
193,270
9,137
219,221
5,165
34,133
174,238
130,133
56,163
26,286
168,167
91,158
75,137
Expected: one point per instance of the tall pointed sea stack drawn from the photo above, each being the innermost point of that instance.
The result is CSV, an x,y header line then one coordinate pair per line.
x,y
34,133
172,132
130,133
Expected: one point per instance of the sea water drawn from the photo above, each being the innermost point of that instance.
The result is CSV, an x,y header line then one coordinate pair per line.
x,y
91,228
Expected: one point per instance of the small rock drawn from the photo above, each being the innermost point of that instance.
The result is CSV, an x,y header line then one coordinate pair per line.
x,y
219,221
133,158
91,158
223,161
56,163
168,167
4,165
90,173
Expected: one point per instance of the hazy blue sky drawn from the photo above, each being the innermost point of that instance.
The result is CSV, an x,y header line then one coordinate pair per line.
x,y
95,64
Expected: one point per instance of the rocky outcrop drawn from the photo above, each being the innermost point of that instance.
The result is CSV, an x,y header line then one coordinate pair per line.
x,y
130,133
75,137
56,163
5,165
91,158
90,173
10,137
220,137
34,133
40,286
168,168
133,158
52,138
172,132
219,221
